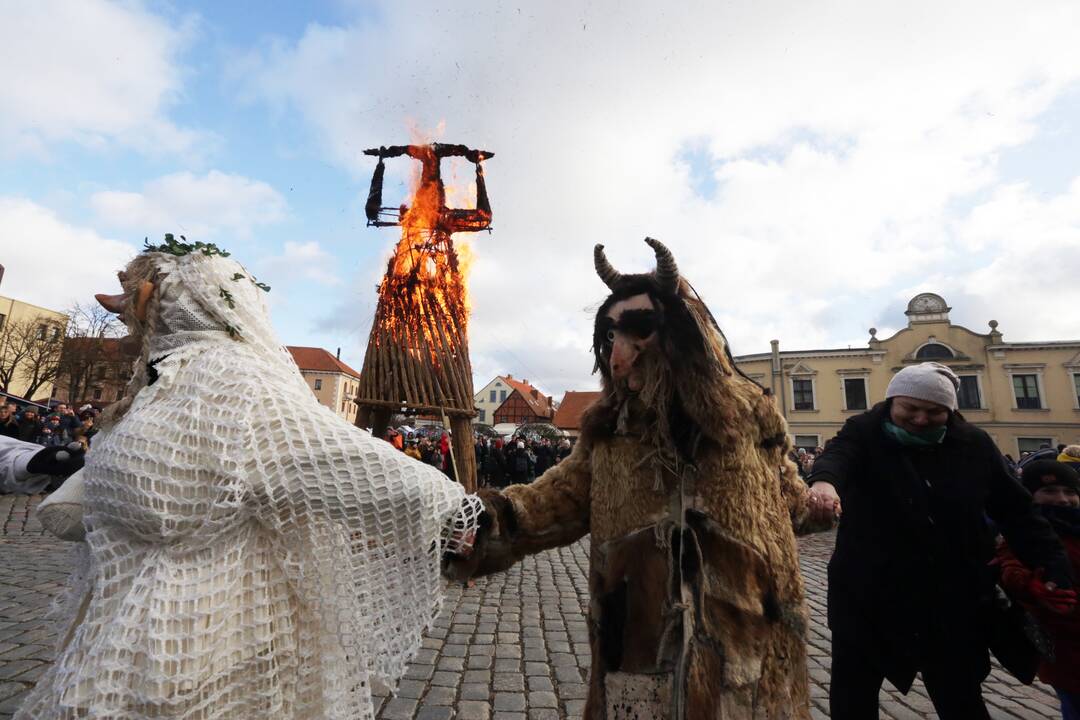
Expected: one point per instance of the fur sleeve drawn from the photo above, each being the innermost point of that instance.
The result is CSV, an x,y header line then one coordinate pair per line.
x,y
793,489
525,519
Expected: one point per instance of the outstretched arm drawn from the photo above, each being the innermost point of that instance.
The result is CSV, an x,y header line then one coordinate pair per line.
x,y
525,519
26,467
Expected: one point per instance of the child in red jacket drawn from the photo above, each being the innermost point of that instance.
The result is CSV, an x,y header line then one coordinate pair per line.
x,y
1055,488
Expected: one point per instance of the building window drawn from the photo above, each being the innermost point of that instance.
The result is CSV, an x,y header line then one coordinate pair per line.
x,y
806,441
318,383
969,398
855,393
1031,444
493,396
3,317
483,416
41,331
803,391
502,396
97,393
1076,388
1026,389
933,351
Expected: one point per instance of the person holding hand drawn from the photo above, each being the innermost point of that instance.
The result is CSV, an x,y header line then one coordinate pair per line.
x,y
910,586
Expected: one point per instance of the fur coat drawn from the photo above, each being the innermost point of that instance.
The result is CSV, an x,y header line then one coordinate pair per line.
x,y
696,604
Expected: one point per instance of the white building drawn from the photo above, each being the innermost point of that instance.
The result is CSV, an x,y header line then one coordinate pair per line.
x,y
488,399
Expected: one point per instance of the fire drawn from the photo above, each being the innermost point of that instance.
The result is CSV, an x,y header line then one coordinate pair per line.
x,y
418,351
423,298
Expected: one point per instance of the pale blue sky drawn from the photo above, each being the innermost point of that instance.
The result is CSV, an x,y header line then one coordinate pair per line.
x,y
812,165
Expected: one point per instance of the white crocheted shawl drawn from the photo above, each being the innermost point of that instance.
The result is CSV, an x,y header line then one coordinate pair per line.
x,y
249,553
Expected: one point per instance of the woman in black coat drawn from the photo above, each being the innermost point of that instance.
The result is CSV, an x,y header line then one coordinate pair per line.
x,y
909,581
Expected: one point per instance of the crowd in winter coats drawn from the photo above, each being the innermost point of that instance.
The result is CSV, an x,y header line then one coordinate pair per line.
x,y
518,461
61,426
499,462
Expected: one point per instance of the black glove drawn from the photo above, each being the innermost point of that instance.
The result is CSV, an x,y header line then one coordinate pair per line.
x,y
64,460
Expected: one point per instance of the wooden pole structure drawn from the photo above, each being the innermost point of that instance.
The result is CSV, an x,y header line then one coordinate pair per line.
x,y
417,358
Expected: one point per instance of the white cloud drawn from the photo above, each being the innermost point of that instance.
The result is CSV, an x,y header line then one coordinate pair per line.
x,y
847,139
301,261
50,263
1028,282
197,206
91,72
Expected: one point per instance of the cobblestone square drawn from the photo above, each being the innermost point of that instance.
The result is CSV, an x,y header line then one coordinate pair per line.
x,y
514,647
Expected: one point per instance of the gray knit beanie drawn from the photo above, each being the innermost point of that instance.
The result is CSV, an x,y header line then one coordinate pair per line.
x,y
929,381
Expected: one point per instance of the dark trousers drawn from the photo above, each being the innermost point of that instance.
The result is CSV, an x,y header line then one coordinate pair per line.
x,y
855,683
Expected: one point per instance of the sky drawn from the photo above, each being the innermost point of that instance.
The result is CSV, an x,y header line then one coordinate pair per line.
x,y
812,165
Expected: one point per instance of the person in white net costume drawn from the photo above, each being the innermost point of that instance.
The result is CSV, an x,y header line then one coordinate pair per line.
x,y
248,553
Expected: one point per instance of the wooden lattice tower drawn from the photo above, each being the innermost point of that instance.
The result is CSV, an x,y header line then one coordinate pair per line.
x,y
417,360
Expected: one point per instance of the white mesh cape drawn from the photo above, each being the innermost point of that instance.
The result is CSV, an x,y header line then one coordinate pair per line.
x,y
249,554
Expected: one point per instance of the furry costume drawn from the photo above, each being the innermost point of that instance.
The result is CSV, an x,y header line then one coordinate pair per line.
x,y
696,598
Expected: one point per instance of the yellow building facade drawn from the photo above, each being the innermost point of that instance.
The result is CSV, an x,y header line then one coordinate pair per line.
x,y
1024,394
333,383
49,326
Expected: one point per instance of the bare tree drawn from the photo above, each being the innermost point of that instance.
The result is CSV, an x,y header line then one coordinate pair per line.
x,y
44,347
30,351
88,356
12,352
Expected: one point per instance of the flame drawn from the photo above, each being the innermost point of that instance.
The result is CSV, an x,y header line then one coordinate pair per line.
x,y
423,298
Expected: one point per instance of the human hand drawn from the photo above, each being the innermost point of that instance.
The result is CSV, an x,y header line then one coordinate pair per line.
x,y
463,542
1049,596
824,503
63,460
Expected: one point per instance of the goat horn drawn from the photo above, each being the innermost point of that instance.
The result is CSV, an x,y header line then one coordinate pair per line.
x,y
667,272
607,273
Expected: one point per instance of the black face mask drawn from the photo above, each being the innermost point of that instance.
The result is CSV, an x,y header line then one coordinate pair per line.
x,y
1066,520
639,324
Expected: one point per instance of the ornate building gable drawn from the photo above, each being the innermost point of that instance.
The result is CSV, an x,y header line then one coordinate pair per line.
x,y
800,369
927,308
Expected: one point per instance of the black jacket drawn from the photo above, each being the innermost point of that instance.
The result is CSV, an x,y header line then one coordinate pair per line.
x,y
909,580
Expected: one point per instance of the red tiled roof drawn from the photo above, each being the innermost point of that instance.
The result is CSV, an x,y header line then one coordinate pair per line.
x,y
573,406
540,405
319,360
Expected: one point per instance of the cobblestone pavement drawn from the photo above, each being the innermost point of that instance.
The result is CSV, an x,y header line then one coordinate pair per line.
x,y
514,647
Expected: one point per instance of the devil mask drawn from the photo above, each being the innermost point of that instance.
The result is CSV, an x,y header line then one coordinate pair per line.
x,y
650,316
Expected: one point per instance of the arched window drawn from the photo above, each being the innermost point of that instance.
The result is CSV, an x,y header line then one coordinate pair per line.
x,y
933,351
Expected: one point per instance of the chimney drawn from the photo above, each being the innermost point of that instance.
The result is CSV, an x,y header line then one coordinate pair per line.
x,y
525,380
338,355
535,394
1,274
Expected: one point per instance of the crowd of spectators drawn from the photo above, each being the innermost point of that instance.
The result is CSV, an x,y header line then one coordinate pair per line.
x,y
499,462
804,459
519,460
60,426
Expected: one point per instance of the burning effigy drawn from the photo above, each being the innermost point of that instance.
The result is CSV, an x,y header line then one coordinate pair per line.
x,y
417,358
